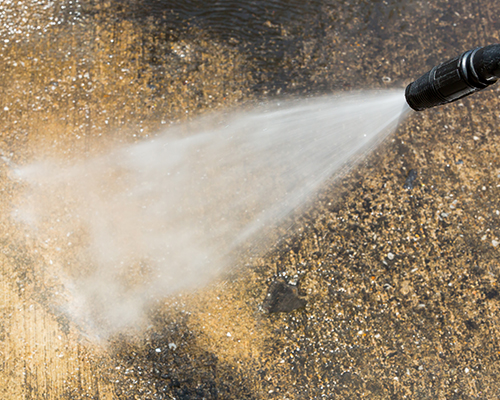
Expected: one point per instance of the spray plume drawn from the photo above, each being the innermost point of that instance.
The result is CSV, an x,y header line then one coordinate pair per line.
x,y
171,214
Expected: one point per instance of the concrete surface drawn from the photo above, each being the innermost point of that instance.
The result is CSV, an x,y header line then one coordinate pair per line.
x,y
401,285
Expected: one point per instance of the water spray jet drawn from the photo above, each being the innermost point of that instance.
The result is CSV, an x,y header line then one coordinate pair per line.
x,y
461,76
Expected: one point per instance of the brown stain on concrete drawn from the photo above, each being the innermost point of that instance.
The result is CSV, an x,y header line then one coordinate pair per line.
x,y
402,286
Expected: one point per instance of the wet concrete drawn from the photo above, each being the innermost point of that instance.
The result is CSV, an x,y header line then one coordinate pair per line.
x,y
401,285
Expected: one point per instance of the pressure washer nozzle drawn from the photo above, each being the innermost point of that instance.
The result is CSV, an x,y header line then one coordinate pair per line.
x,y
470,72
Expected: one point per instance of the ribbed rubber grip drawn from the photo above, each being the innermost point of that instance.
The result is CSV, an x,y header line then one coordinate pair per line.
x,y
472,71
421,93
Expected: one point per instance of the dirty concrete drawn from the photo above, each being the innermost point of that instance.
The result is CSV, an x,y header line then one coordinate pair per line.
x,y
401,285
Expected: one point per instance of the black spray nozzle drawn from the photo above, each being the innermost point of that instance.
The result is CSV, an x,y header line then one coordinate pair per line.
x,y
472,71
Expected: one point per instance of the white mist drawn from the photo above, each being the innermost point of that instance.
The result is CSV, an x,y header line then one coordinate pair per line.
x,y
168,214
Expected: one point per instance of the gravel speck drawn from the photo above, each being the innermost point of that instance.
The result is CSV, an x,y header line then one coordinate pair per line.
x,y
410,179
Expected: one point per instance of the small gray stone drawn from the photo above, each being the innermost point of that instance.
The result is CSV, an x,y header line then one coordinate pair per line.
x,y
282,297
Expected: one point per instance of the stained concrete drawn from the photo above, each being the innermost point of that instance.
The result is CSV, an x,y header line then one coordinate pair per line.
x,y
401,284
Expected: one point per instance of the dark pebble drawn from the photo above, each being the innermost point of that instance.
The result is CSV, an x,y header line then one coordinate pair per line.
x,y
282,297
410,179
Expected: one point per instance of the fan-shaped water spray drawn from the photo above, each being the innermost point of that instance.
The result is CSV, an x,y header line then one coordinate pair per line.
x,y
149,219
